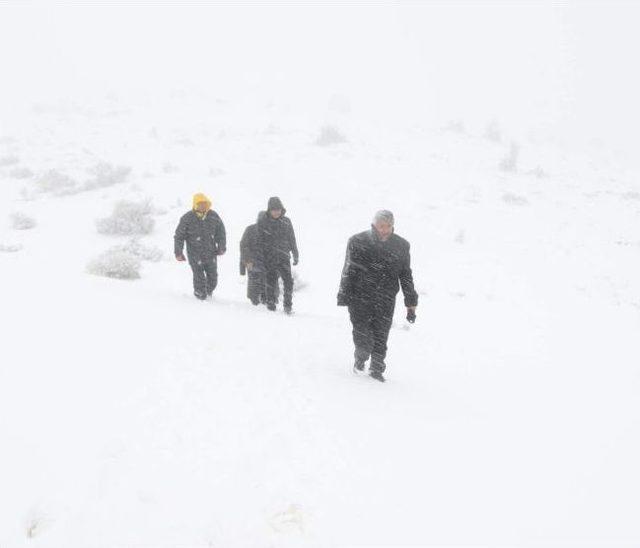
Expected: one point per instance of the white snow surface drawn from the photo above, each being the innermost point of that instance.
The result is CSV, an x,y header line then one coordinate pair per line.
x,y
133,415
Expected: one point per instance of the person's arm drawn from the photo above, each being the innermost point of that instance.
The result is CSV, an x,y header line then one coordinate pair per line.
x,y
344,293
221,238
293,243
406,281
179,237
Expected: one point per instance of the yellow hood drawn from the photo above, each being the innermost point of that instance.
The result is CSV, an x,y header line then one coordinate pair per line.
x,y
197,198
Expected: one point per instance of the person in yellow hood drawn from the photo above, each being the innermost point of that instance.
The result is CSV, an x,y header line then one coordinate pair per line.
x,y
203,231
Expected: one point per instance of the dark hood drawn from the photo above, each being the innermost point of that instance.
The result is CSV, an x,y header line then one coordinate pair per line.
x,y
276,203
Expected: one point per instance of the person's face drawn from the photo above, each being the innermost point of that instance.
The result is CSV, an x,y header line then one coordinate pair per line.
x,y
384,230
201,207
275,213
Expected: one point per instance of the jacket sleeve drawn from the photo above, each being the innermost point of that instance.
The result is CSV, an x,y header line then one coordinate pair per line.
x,y
292,242
180,236
244,251
221,236
406,281
345,292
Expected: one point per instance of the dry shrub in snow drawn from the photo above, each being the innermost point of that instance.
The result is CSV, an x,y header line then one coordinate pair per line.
x,y
8,160
20,221
21,173
128,218
56,182
10,248
141,251
514,199
116,263
510,161
105,174
492,132
330,135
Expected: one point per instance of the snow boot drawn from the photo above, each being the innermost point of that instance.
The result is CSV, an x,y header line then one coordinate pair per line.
x,y
271,307
377,376
358,366
288,310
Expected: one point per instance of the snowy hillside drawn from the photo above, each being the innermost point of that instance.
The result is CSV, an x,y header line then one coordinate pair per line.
x,y
133,415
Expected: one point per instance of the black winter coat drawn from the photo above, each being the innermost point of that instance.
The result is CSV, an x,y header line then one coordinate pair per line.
x,y
249,249
205,237
374,271
276,239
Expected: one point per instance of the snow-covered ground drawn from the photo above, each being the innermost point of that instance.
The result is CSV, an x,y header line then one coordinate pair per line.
x,y
133,415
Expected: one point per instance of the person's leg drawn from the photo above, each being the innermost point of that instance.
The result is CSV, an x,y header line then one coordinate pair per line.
x,y
254,288
271,282
211,272
199,280
362,332
284,270
381,325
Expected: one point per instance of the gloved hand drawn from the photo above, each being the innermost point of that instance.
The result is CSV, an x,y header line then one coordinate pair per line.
x,y
295,261
411,315
180,258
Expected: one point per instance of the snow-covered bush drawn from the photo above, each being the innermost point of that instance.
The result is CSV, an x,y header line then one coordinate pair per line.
x,y
538,172
116,263
106,174
21,221
143,252
10,248
514,199
8,160
128,218
330,135
21,173
455,126
510,161
56,182
492,132
170,168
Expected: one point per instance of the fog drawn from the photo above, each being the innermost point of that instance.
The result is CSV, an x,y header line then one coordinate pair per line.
x,y
555,69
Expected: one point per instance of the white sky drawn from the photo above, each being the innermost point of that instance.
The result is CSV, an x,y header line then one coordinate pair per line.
x,y
560,66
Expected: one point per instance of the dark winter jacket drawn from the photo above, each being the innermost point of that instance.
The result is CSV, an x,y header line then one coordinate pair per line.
x,y
276,238
250,251
374,271
205,237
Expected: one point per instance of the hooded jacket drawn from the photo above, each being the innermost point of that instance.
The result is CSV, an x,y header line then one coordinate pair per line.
x,y
276,237
204,233
249,249
375,270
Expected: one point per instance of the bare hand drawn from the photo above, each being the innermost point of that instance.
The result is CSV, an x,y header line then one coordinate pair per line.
x,y
180,258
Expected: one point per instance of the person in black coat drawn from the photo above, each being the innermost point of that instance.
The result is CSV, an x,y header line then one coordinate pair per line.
x,y
252,264
203,231
277,242
377,264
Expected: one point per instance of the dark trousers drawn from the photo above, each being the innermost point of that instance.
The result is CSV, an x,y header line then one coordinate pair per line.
x,y
371,324
283,270
205,275
256,286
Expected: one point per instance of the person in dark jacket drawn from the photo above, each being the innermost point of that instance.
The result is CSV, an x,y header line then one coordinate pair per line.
x,y
277,241
377,264
203,231
252,264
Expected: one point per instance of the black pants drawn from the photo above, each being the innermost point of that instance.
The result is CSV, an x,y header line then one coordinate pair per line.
x,y
257,285
282,269
371,324
205,275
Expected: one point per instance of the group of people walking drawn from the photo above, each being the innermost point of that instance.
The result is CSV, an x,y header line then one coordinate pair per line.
x,y
377,265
